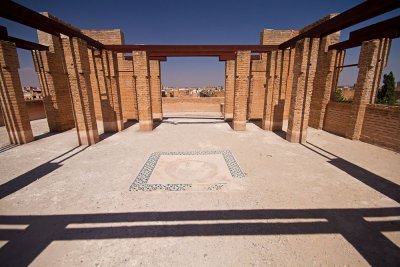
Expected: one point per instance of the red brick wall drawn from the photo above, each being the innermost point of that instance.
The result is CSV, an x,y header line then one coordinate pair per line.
x,y
195,104
382,126
336,117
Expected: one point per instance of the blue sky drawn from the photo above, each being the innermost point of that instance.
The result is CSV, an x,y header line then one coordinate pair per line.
x,y
193,22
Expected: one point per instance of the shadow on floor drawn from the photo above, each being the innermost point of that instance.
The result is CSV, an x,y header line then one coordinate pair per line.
x,y
7,147
106,135
24,245
35,174
45,135
280,133
376,182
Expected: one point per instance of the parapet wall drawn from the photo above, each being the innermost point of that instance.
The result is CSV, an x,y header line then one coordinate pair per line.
x,y
192,104
35,111
381,124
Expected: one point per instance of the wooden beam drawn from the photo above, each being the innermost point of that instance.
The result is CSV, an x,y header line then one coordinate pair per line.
x,y
190,50
21,43
18,13
151,58
385,29
357,14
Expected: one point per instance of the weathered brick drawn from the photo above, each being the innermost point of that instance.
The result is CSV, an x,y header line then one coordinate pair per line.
x,y
242,72
14,109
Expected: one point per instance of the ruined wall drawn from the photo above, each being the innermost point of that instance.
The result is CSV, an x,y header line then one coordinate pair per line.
x,y
382,126
195,104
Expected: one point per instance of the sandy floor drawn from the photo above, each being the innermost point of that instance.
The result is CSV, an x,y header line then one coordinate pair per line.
x,y
330,202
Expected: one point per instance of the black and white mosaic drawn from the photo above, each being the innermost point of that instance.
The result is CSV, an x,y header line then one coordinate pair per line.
x,y
141,181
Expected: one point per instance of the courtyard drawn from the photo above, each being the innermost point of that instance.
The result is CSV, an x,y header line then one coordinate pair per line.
x,y
330,201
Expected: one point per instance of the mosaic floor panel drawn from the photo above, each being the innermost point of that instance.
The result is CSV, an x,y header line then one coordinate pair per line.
x,y
178,171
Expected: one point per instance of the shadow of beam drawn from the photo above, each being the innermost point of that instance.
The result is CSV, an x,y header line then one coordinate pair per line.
x,y
24,245
31,176
376,182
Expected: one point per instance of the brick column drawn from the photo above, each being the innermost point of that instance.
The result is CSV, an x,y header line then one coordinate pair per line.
x,y
289,82
381,61
339,61
269,90
304,72
155,87
229,89
274,97
242,72
323,81
257,89
142,81
367,65
77,64
15,113
113,96
53,79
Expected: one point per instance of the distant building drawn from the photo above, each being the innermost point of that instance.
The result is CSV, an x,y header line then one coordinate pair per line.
x,y
32,93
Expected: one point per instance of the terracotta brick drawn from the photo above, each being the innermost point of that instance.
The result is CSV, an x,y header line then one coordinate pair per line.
x,y
323,80
14,109
257,89
77,64
242,73
304,72
367,65
229,89
143,94
53,80
155,87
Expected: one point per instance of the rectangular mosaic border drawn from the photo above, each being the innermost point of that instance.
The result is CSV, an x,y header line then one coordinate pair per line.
x,y
140,182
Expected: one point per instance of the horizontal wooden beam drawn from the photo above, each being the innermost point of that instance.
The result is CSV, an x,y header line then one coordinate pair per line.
x,y
18,13
385,29
190,50
23,44
233,57
350,17
150,58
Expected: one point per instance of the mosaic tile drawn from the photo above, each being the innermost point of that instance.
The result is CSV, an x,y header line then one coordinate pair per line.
x,y
141,181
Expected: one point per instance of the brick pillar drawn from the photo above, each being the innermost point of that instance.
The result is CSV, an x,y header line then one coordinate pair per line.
x,y
229,89
257,89
15,113
77,64
323,80
155,87
289,82
274,96
142,81
242,72
381,61
305,63
269,90
53,79
113,91
97,80
367,65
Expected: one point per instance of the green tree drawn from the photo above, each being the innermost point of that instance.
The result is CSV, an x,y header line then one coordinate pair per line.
x,y
339,95
386,92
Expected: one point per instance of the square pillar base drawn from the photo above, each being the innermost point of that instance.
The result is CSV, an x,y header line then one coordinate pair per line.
x,y
146,126
239,125
89,137
228,116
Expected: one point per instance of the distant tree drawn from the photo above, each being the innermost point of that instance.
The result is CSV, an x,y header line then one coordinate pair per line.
x,y
386,92
339,95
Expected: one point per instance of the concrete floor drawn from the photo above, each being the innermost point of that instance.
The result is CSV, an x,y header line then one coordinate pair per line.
x,y
332,201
